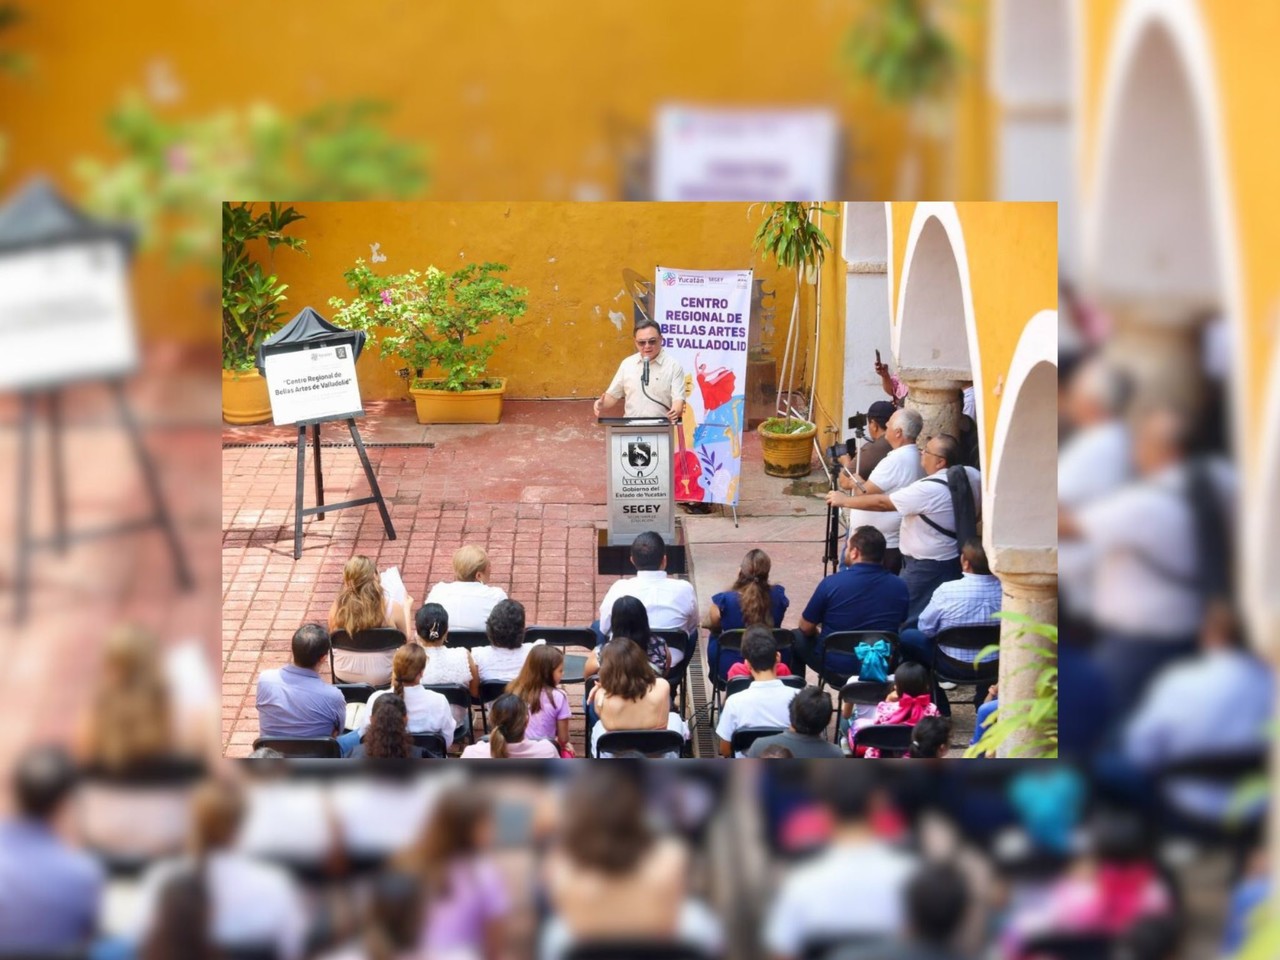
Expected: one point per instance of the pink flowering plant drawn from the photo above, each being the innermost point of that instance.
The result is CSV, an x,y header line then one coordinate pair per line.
x,y
433,319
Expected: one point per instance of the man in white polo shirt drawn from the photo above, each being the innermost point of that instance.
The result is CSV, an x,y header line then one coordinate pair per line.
x,y
767,702
671,604
650,381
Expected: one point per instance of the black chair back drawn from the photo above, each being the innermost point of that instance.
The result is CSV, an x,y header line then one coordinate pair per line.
x,y
744,737
729,640
866,692
652,743
490,690
583,637
821,948
738,684
356,692
466,638
974,638
633,950
891,739
1067,946
458,696
377,640
847,642
432,743
678,640
319,748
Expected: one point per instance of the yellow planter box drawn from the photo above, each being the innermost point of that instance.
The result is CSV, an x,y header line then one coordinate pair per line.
x,y
244,397
459,406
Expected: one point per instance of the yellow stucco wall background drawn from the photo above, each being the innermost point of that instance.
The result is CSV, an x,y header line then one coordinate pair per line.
x,y
570,256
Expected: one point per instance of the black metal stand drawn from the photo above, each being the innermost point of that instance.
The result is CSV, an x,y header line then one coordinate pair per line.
x,y
27,544
320,509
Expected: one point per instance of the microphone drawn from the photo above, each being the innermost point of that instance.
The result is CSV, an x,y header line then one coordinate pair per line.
x,y
644,376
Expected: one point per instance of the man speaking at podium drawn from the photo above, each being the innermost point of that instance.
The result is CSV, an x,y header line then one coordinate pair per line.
x,y
650,380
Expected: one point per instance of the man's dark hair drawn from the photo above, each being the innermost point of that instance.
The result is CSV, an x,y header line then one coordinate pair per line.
x,y
42,779
870,543
505,626
647,551
847,789
948,448
310,645
937,896
976,554
810,712
646,322
759,648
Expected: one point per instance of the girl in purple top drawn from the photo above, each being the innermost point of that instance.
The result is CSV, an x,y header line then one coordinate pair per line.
x,y
538,685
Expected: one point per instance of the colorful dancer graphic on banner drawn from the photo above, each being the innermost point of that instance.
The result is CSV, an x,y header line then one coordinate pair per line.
x,y
705,315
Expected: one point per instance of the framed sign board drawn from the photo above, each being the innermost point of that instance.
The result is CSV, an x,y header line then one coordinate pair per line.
x,y
312,384
640,484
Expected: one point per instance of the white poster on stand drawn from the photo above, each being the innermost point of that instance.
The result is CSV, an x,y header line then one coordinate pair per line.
x,y
318,383
705,317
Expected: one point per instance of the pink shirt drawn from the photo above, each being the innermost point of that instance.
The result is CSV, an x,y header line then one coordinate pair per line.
x,y
526,749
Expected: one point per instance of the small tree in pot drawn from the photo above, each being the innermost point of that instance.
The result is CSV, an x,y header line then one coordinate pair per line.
x,y
431,319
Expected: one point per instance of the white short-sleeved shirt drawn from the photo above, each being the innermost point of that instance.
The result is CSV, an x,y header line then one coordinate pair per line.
x,y
1144,540
933,499
500,663
429,712
670,603
1094,462
666,383
899,468
766,703
468,603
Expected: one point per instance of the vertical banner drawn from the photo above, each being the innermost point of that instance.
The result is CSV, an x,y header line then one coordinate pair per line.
x,y
704,315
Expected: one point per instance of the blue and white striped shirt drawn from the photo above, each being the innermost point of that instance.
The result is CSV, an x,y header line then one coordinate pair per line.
x,y
967,602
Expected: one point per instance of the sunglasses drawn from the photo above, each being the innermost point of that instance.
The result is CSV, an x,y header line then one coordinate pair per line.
x,y
647,343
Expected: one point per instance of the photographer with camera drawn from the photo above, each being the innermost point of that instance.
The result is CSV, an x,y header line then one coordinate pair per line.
x,y
870,452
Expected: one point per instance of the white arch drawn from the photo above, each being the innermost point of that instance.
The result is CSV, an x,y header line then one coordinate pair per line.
x,y
1035,360
1261,540
945,216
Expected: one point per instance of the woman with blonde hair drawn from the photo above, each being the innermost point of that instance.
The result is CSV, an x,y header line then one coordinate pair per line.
x,y
362,604
130,719
469,599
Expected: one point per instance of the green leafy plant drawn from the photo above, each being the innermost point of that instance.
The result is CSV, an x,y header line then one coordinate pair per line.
x,y
1034,721
173,172
431,318
11,61
789,236
251,296
899,49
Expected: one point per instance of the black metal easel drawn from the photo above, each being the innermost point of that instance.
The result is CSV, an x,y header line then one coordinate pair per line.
x,y
27,544
320,509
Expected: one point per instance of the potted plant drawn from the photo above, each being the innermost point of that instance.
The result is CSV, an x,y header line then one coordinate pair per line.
x,y
432,319
251,304
788,235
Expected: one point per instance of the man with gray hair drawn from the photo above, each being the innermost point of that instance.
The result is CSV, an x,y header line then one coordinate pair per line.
x,y
650,381
900,467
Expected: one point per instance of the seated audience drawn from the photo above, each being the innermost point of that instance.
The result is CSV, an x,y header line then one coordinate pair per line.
x,y
507,740
429,711
538,685
386,734
864,596
393,918
630,621
293,701
504,656
931,738
767,701
362,604
218,897
469,599
670,603
809,712
610,875
50,892
908,702
853,888
630,696
935,901
752,599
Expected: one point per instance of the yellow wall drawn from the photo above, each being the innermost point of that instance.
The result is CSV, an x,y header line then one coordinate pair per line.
x,y
517,100
570,256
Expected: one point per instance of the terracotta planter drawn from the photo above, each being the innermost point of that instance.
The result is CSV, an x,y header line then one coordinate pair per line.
x,y
454,406
787,454
244,397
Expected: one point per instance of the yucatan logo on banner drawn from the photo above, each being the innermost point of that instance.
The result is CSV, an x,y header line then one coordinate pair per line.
x,y
705,317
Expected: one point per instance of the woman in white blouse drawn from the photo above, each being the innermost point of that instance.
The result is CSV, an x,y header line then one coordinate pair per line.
x,y
469,599
444,664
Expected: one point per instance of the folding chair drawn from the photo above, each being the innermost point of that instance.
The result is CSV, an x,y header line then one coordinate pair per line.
x,y
738,684
490,690
319,748
564,638
431,743
862,693
744,737
1067,946
384,640
458,696
652,743
634,950
1228,768
846,642
357,696
728,641
470,639
678,640
948,669
891,739
821,948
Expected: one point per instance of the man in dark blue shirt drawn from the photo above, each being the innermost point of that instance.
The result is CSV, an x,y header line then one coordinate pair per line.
x,y
864,596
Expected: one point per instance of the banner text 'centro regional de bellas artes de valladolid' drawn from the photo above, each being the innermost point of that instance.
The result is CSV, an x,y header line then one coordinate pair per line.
x,y
704,315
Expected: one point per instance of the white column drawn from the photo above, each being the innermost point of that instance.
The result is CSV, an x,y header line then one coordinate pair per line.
x,y
939,402
1033,594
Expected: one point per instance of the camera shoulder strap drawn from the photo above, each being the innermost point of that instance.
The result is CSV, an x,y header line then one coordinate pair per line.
x,y
937,526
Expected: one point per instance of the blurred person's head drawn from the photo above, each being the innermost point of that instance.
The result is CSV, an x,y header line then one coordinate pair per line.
x,y
471,564
361,604
407,665
648,551
432,624
1119,835
542,670
310,645
394,915
1097,392
1151,938
849,791
930,738
866,545
387,736
752,587
1221,628
903,427
625,671
508,720
760,650
629,620
606,822
459,827
1161,439
180,925
775,751
937,896
940,452
505,626
42,780
217,810
810,712
130,719
973,557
